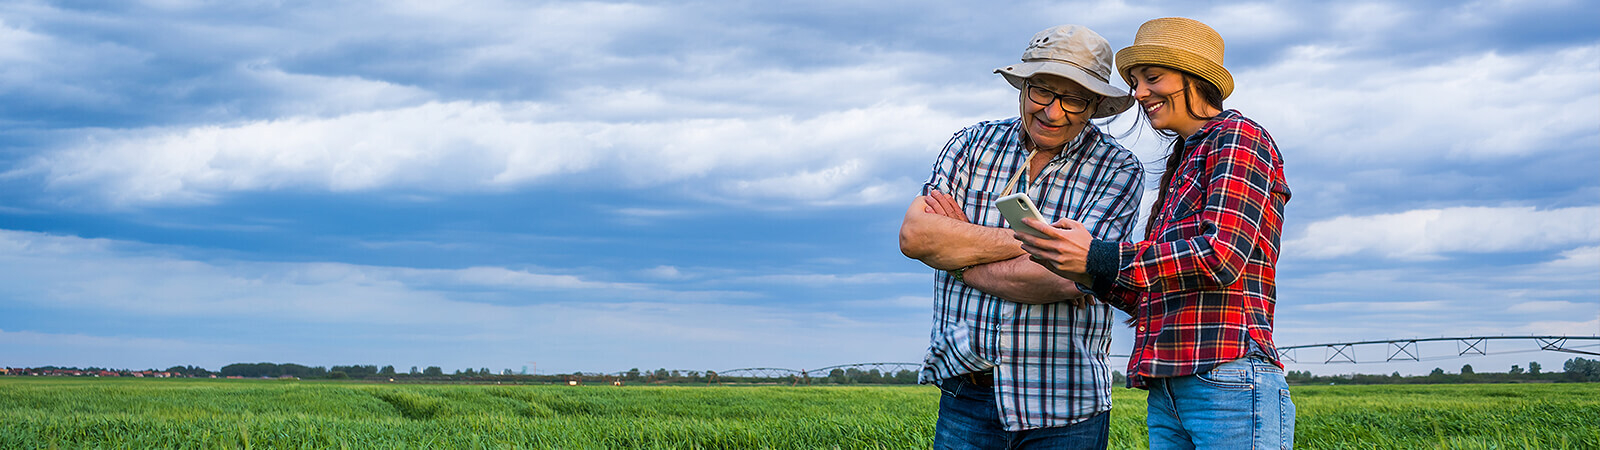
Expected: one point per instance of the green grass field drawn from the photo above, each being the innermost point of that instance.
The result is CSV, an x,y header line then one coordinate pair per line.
x,y
144,413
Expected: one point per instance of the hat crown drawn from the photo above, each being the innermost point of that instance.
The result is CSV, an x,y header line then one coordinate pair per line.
x,y
1072,44
1180,43
1075,53
1182,33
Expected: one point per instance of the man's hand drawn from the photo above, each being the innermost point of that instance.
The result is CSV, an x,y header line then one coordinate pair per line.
x,y
1065,250
935,231
943,204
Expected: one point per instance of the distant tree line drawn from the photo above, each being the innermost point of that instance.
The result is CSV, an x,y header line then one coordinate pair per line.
x,y
1576,370
632,376
174,371
857,376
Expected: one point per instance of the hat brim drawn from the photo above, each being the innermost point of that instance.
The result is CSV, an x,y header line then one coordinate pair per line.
x,y
1165,56
1116,100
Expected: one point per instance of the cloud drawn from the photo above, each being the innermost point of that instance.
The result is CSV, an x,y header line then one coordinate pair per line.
x,y
1575,263
137,279
664,272
1366,132
1430,305
423,314
833,279
918,303
43,71
1427,144
1517,105
478,147
1563,328
1542,307
324,96
118,352
1433,233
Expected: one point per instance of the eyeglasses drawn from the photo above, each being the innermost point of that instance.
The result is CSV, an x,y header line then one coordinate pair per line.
x,y
1072,104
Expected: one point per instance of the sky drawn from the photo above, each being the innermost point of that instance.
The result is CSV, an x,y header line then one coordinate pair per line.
x,y
561,186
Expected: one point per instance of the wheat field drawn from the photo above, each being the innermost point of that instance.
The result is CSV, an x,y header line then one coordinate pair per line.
x,y
49,412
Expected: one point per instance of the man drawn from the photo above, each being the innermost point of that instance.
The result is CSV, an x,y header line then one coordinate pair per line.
x,y
1018,351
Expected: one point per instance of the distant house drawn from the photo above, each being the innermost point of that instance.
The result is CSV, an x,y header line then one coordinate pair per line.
x,y
4,371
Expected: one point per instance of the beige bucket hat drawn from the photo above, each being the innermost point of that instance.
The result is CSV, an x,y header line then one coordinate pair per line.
x,y
1179,43
1076,53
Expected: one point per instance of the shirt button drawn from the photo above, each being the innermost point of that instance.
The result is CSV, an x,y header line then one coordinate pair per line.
x,y
1141,328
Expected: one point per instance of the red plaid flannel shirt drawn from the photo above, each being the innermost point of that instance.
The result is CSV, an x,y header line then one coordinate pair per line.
x,y
1201,287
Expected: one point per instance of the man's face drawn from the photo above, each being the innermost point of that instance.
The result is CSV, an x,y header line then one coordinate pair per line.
x,y
1050,126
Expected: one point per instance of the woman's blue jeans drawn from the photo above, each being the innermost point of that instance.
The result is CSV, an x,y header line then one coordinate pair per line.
x,y
1240,404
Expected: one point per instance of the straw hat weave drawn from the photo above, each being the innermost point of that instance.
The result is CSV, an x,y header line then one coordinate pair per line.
x,y
1179,43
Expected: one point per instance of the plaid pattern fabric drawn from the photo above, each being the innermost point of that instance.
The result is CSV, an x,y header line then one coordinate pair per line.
x,y
1202,286
1049,360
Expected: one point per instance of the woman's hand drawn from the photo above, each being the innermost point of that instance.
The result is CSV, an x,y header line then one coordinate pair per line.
x,y
1065,251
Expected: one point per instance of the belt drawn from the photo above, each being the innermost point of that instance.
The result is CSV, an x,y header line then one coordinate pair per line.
x,y
984,378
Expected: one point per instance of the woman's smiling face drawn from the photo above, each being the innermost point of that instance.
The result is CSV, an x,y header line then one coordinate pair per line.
x,y
1165,99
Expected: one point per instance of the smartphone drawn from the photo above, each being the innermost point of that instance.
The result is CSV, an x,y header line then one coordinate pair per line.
x,y
1016,206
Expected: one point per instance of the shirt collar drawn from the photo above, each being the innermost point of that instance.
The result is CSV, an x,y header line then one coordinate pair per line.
x,y
1211,125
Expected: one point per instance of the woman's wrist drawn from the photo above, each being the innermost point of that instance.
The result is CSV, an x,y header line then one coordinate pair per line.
x,y
1104,259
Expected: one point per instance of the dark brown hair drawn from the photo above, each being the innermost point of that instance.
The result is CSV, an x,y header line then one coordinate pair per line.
x,y
1209,94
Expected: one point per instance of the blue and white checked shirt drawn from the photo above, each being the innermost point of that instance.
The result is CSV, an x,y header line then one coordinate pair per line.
x,y
1049,360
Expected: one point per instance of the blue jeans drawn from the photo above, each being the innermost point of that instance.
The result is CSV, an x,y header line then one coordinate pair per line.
x,y
1240,404
969,419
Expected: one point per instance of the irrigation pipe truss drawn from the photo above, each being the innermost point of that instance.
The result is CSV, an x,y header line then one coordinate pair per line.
x,y
1338,352
1406,349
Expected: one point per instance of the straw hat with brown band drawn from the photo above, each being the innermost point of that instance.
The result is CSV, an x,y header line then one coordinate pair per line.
x,y
1179,43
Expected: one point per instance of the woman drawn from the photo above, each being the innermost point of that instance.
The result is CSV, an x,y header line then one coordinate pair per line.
x,y
1201,286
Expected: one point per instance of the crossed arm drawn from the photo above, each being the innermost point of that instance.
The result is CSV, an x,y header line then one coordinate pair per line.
x,y
937,232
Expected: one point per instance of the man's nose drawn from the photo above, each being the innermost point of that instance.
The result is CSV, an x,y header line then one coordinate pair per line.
x,y
1053,110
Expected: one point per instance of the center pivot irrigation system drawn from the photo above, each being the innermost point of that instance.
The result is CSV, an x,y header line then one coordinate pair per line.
x,y
1408,350
1338,352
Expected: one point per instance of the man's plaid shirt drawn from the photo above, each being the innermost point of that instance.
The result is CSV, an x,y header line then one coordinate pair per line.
x,y
1202,286
1049,360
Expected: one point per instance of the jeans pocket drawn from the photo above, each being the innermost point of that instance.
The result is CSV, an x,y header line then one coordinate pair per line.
x,y
1226,378
948,386
1285,419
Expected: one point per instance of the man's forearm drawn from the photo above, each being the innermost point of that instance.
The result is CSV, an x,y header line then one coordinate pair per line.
x,y
947,244
1023,281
